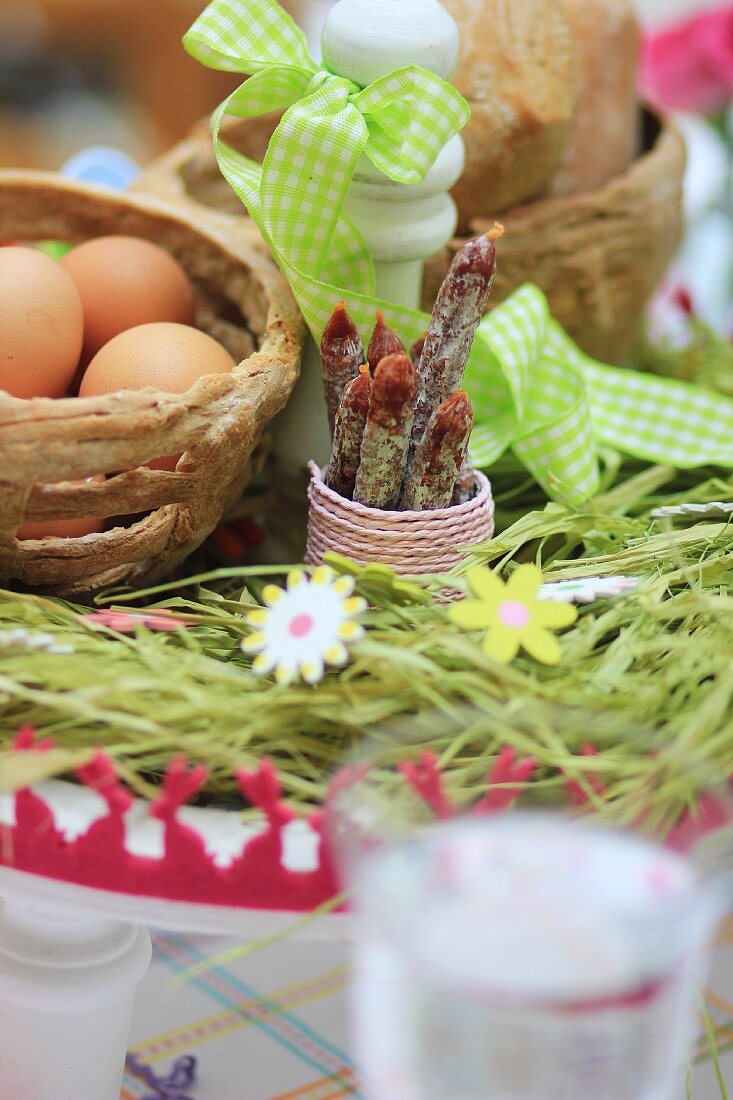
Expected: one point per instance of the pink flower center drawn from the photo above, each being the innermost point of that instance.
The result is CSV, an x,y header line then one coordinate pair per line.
x,y
514,614
660,880
301,625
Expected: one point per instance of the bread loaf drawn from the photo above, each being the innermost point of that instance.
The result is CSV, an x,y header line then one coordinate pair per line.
x,y
518,72
605,134
598,256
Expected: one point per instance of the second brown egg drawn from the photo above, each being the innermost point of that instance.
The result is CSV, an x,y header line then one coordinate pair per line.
x,y
124,282
166,357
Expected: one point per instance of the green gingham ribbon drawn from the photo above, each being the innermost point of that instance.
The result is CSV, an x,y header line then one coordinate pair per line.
x,y
401,122
537,393
532,389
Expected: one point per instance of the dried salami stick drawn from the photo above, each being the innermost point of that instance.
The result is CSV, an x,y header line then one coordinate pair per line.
x,y
440,456
384,342
342,353
348,433
417,349
387,433
458,310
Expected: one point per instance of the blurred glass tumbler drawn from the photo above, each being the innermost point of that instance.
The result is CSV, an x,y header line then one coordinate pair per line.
x,y
526,957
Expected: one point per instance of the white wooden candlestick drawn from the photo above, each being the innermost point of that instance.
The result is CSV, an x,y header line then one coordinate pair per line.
x,y
402,225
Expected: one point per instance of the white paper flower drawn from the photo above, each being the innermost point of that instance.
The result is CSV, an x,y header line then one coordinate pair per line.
x,y
305,626
20,638
588,589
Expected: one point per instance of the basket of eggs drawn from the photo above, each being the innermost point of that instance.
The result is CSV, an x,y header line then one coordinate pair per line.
x,y
142,352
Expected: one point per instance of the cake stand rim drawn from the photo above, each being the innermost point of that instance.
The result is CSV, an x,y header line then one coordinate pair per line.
x,y
166,914
225,837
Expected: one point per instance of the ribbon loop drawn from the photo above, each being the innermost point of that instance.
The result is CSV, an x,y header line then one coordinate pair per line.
x,y
409,137
224,37
270,90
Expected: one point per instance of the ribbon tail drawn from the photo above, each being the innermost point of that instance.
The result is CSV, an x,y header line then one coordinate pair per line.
x,y
657,419
271,90
527,396
306,176
346,252
242,174
567,406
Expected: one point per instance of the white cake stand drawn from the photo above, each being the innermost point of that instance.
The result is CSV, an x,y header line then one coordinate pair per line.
x,y
72,956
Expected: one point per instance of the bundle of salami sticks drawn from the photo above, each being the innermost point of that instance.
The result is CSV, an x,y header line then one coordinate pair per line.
x,y
400,423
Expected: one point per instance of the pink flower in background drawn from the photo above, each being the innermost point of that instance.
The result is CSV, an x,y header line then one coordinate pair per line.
x,y
689,66
125,622
671,315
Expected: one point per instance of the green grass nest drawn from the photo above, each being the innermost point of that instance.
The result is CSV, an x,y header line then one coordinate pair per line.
x,y
647,678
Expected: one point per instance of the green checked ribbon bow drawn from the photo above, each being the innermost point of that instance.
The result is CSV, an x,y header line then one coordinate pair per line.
x,y
401,122
532,389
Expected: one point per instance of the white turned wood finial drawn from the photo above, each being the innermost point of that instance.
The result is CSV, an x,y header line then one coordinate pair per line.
x,y
310,15
402,225
366,39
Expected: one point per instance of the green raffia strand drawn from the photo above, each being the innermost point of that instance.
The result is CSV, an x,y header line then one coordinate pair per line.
x,y
709,1049
533,391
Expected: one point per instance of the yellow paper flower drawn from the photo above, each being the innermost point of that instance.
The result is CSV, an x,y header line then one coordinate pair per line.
x,y
512,615
305,626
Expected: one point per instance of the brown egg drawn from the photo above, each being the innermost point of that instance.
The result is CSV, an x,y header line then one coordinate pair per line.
x,y
125,282
41,324
62,528
167,357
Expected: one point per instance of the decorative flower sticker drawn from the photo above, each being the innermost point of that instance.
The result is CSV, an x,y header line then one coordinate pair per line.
x,y
589,589
513,615
305,626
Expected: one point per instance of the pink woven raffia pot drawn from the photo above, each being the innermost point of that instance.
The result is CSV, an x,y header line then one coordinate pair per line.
x,y
410,543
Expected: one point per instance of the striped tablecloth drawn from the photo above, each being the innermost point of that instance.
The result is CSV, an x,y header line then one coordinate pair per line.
x,y
271,1027
274,1026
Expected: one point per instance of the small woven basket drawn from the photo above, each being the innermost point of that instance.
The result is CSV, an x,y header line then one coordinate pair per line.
x,y
410,543
155,518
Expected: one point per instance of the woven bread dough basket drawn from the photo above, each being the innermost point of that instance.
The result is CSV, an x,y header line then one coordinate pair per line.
x,y
188,173
154,518
598,256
